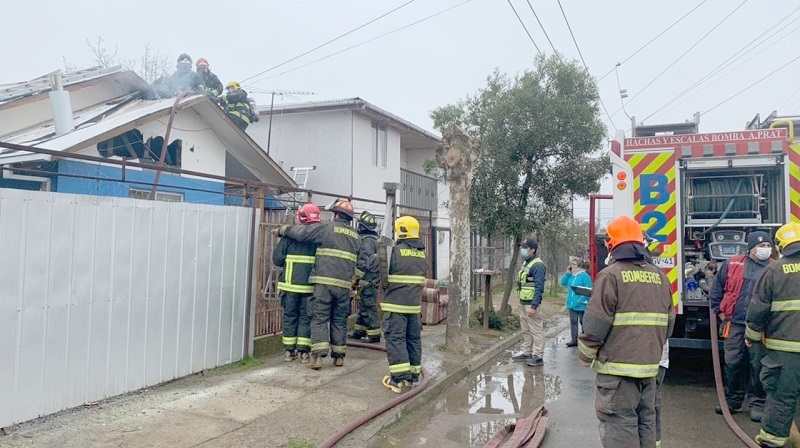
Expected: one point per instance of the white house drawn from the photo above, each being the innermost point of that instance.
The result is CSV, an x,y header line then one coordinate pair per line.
x,y
354,148
109,113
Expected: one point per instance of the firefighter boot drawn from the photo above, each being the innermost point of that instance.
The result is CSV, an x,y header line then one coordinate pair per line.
x,y
304,358
338,362
316,362
392,384
289,356
358,335
371,340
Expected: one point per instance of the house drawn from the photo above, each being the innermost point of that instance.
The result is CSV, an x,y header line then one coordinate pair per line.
x,y
353,147
109,114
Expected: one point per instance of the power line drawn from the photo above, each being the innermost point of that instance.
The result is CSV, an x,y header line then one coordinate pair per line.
x,y
733,58
330,41
683,54
652,40
575,41
751,85
364,42
541,26
524,27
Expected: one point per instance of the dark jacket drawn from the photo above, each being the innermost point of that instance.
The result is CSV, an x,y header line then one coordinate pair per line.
x,y
237,105
336,255
408,266
212,84
368,261
531,275
297,260
752,269
774,311
180,82
629,317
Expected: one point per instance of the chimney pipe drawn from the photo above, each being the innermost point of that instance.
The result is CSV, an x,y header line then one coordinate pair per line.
x,y
61,105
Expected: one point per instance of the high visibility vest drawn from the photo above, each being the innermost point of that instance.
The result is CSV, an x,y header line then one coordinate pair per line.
x,y
525,290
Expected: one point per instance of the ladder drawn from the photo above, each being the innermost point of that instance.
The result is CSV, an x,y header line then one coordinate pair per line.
x,y
300,177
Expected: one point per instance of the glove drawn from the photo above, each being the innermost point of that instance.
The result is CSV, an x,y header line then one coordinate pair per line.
x,y
280,231
364,284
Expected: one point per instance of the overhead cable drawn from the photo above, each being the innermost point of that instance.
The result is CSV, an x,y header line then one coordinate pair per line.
x,y
541,26
524,27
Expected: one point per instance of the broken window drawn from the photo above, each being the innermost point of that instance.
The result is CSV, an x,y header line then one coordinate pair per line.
x,y
131,145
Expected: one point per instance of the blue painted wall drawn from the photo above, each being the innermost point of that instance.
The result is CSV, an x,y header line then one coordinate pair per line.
x,y
20,184
213,194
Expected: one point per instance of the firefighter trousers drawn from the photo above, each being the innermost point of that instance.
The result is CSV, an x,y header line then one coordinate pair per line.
x,y
742,365
296,322
330,307
662,372
626,410
403,345
367,321
780,374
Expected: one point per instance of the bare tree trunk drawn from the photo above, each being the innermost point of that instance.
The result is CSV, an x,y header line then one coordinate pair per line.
x,y
457,155
505,308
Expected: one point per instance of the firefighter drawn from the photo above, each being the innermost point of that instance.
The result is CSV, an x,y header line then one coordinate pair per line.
x,y
236,105
628,320
368,327
211,83
530,285
184,79
773,322
332,274
296,259
729,298
401,306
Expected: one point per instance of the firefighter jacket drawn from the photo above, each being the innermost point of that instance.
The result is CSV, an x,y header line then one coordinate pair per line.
x,y
211,83
297,260
774,311
336,255
368,261
734,285
407,268
629,317
530,281
237,105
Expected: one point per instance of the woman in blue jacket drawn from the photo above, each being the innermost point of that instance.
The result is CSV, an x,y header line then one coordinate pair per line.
x,y
576,276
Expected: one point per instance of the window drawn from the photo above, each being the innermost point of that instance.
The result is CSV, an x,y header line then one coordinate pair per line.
x,y
165,196
379,144
131,145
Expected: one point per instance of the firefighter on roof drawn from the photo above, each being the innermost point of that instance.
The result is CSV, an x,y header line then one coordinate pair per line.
x,y
773,319
236,105
211,83
334,266
296,259
628,320
368,327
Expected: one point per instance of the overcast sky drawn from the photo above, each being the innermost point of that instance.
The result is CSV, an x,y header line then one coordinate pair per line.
x,y
440,60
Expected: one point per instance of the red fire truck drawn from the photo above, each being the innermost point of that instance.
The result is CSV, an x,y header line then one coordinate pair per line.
x,y
697,197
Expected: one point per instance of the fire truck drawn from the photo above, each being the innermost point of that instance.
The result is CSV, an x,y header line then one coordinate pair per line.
x,y
697,197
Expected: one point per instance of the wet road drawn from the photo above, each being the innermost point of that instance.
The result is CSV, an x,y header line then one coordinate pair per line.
x,y
471,412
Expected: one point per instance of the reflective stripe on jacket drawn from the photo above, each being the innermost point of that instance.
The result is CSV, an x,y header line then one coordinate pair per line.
x,y
237,105
335,258
297,260
526,288
774,311
408,266
628,320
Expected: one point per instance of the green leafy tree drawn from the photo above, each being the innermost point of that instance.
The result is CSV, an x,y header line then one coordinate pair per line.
x,y
539,132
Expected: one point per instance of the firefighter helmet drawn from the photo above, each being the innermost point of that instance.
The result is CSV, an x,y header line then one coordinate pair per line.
x,y
787,234
343,207
308,214
233,84
623,230
367,221
184,59
202,62
406,227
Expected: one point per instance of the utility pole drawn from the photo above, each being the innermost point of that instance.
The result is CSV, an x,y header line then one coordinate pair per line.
x,y
272,108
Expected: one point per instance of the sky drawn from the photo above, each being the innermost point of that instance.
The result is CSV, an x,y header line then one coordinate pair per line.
x,y
445,58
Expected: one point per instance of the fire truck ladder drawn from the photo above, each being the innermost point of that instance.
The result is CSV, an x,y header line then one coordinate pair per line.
x,y
298,198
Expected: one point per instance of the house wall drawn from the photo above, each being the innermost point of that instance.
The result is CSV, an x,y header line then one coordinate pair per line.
x,y
102,296
369,178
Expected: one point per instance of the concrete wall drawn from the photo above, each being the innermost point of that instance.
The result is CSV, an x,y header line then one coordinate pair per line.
x,y
102,296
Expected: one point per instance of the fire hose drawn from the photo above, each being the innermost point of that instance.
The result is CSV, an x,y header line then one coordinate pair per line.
x,y
723,402
526,433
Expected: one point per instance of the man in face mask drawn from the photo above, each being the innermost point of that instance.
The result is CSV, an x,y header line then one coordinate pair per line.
x,y
729,298
530,285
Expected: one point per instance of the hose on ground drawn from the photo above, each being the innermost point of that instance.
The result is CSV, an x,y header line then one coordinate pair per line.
x,y
353,425
723,402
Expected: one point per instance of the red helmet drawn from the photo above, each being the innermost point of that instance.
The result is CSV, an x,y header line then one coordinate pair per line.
x,y
202,62
308,214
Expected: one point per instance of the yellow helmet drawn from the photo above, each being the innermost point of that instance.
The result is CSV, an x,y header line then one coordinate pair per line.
x,y
406,227
787,234
233,84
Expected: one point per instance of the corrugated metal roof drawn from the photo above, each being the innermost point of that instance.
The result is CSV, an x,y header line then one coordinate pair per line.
x,y
10,92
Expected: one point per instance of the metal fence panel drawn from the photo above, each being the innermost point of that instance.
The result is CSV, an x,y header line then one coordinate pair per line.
x,y
101,296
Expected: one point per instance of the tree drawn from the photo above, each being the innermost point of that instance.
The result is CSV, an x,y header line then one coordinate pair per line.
x,y
539,131
150,65
456,155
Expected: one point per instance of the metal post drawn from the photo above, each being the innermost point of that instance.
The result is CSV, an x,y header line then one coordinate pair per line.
x,y
391,208
488,307
269,132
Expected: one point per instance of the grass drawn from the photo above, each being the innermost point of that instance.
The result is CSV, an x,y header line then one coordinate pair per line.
x,y
245,363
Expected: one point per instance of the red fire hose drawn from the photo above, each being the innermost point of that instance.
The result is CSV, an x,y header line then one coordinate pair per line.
x,y
353,425
723,403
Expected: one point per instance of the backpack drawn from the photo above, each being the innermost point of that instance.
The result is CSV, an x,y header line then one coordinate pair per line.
x,y
253,110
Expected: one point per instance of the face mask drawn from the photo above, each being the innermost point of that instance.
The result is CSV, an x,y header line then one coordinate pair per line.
x,y
763,253
523,252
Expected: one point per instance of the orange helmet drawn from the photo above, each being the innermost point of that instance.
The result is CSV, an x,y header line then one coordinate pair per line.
x,y
202,62
308,214
343,207
623,230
